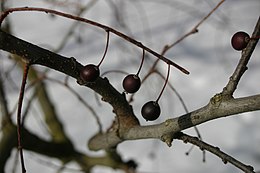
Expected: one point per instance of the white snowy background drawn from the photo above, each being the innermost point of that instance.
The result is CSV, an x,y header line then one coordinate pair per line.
x,y
207,54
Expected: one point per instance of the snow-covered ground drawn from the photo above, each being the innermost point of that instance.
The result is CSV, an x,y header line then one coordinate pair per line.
x,y
207,54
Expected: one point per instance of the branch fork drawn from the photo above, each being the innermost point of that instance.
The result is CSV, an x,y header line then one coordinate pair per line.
x,y
127,127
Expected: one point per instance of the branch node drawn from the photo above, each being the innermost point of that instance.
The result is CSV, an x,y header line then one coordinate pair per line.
x,y
217,148
74,61
167,138
167,122
195,30
81,82
224,161
216,99
138,43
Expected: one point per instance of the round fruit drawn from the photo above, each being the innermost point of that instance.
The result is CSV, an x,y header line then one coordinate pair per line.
x,y
240,40
131,83
151,111
89,73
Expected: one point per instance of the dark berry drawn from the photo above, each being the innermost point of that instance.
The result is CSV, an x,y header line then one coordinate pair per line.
x,y
151,111
89,73
131,83
131,164
240,40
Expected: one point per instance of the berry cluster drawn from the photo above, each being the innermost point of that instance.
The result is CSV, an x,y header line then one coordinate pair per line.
x,y
131,84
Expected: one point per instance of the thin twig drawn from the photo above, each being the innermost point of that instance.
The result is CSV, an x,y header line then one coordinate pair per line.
x,y
215,150
19,124
242,65
194,29
104,27
75,24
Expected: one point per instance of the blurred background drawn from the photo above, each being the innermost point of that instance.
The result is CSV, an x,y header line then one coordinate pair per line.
x,y
207,54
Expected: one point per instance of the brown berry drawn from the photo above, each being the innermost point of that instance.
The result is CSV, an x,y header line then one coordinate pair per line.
x,y
151,111
240,40
131,83
89,73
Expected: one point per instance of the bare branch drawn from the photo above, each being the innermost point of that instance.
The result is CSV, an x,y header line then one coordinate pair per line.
x,y
104,27
221,105
36,55
215,150
242,65
217,108
194,29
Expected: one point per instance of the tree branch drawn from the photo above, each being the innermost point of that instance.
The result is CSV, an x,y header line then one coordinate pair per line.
x,y
215,150
104,27
221,105
194,29
242,65
217,108
36,55
63,151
